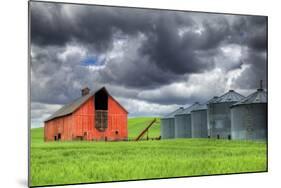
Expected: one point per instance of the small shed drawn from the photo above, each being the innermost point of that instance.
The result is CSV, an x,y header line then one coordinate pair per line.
x,y
93,116
249,117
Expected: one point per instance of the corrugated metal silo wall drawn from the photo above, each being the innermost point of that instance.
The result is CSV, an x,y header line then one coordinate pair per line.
x,y
249,122
167,128
199,124
219,122
209,118
183,126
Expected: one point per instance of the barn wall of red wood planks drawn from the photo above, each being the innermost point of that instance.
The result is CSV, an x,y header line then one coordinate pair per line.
x,y
81,124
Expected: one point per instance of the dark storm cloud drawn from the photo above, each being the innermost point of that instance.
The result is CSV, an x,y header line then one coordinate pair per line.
x,y
160,48
136,74
53,77
178,100
256,71
96,27
172,52
250,31
52,24
257,33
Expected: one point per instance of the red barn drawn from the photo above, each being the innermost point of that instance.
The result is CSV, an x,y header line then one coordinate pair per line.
x,y
93,116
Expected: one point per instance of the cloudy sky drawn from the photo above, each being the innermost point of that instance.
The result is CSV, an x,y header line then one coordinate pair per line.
x,y
151,61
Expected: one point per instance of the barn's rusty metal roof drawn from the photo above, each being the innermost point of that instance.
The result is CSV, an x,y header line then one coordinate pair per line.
x,y
172,114
260,96
189,109
71,107
230,96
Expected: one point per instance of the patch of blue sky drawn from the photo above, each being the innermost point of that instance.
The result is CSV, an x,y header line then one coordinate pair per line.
x,y
93,61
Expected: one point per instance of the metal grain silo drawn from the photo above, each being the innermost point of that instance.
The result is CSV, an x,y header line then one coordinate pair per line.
x,y
168,124
249,117
199,128
219,120
183,122
209,115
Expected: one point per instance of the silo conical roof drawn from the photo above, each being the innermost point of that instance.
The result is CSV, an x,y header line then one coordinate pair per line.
x,y
189,109
172,114
230,96
260,96
200,107
212,100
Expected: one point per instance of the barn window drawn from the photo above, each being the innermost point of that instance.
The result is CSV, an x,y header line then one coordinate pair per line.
x,y
55,138
101,110
59,136
116,132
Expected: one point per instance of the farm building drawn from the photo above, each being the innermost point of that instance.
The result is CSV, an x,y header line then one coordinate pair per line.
x,y
93,116
183,122
218,112
199,128
249,117
168,124
208,115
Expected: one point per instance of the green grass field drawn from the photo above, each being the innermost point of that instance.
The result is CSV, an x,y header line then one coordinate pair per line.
x,y
77,162
137,125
